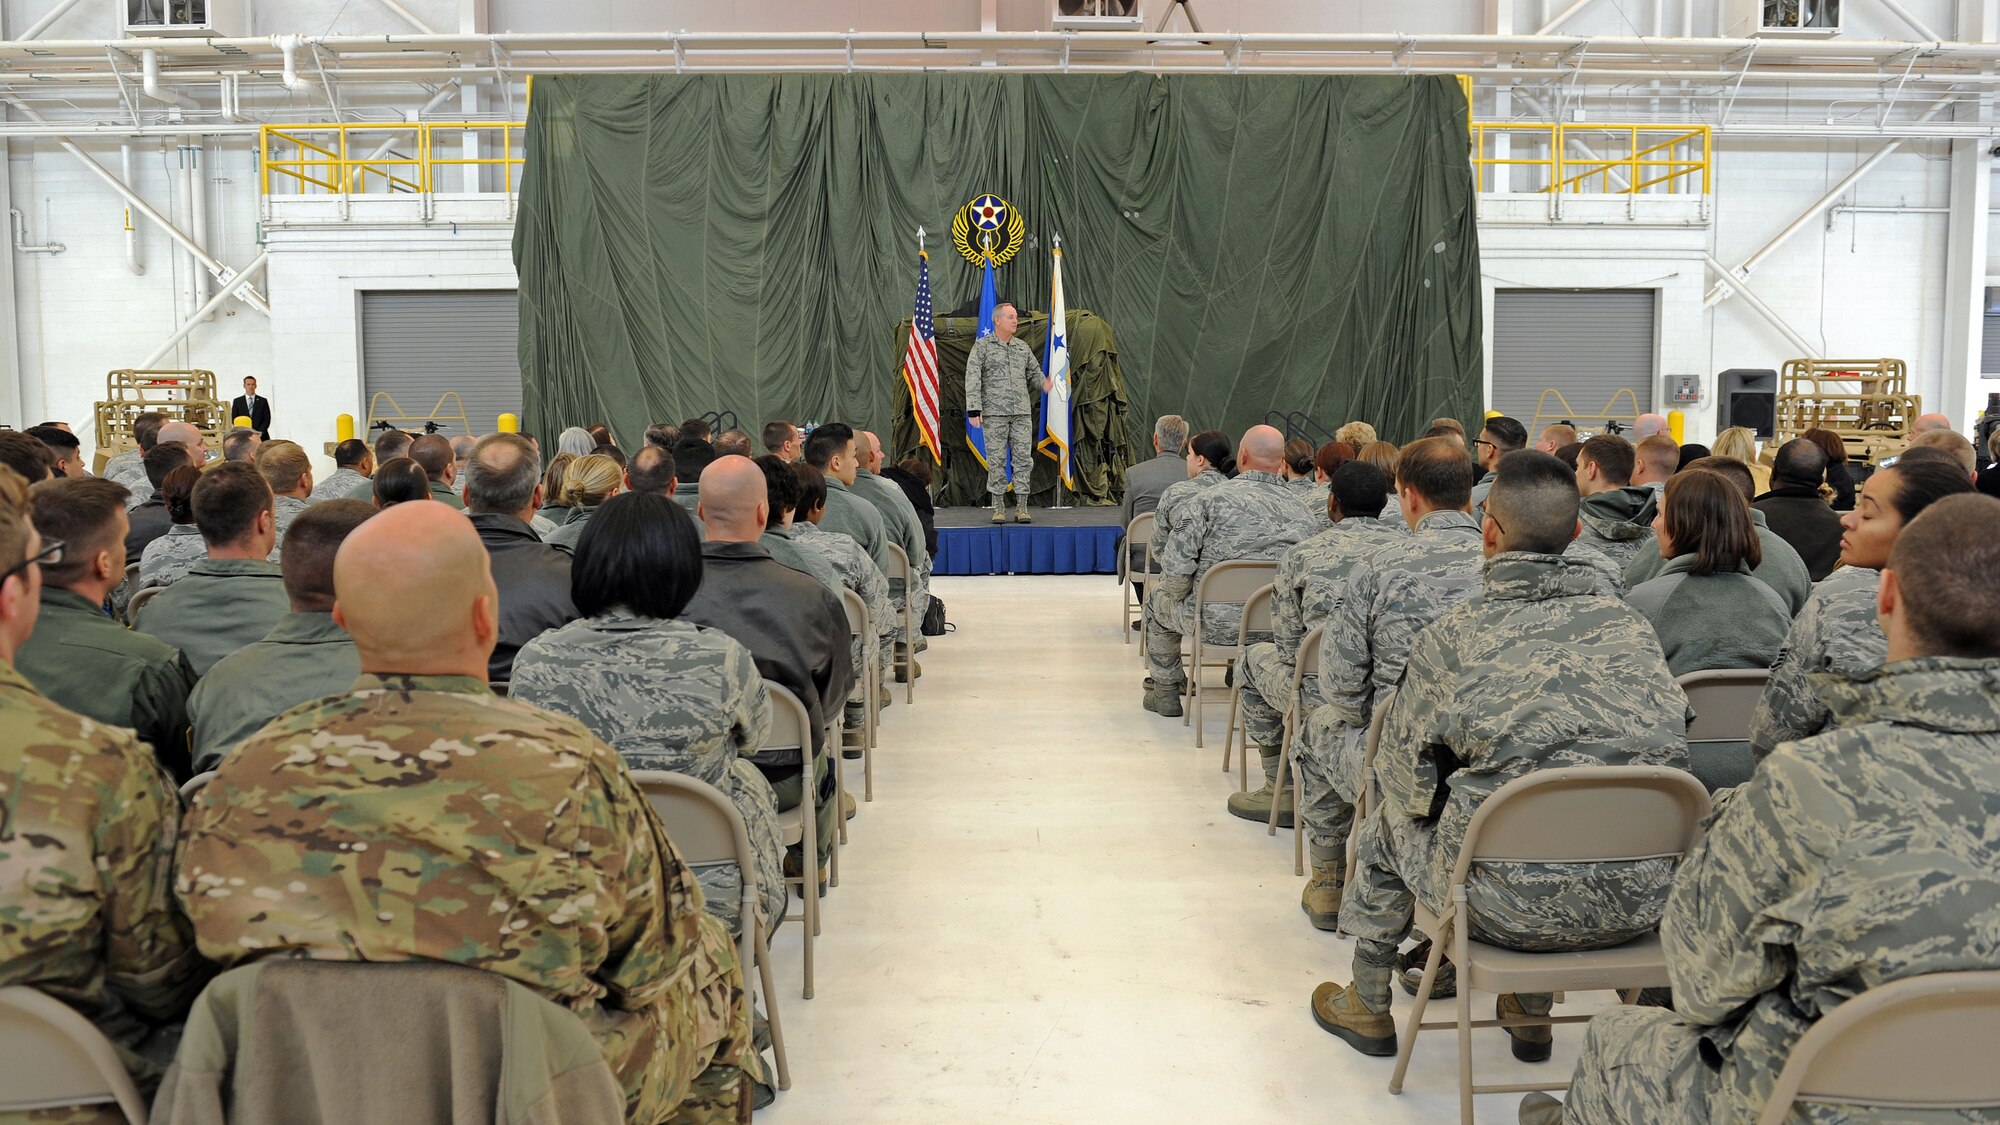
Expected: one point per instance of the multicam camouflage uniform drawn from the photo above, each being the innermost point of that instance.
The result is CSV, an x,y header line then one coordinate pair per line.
x,y
668,695
339,485
1251,517
1537,672
167,560
1836,632
1852,859
88,824
1391,595
1311,579
424,818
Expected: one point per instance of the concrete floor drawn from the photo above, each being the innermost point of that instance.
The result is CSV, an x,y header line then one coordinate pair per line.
x,y
1047,915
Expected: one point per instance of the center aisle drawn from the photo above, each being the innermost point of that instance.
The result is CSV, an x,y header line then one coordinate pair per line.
x,y
1046,915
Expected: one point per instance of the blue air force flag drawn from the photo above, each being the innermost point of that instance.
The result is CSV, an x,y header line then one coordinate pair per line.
x,y
976,437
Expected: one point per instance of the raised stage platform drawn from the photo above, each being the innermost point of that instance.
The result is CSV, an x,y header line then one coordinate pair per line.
x,y
1080,540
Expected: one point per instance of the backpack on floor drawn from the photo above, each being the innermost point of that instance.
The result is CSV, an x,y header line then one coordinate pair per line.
x,y
934,623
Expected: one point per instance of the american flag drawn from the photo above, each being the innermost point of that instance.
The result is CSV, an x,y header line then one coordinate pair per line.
x,y
920,362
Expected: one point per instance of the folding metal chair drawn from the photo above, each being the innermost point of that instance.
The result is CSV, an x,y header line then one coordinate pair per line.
x,y
899,567
194,785
1577,814
140,599
51,1057
1140,525
1226,583
1288,760
862,631
1724,701
1256,619
707,829
791,729
1364,797
1920,1043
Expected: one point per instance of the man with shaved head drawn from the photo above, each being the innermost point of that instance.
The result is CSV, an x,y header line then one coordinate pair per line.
x,y
440,464
176,433
1251,517
1925,423
794,627
417,816
1541,671
1647,425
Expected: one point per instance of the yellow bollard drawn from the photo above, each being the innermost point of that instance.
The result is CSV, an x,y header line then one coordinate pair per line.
x,y
510,423
1677,426
343,428
1492,414
241,422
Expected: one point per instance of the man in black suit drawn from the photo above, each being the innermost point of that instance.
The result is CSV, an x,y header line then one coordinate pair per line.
x,y
250,405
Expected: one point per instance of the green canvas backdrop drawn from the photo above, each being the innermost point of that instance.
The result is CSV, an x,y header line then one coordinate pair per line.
x,y
696,242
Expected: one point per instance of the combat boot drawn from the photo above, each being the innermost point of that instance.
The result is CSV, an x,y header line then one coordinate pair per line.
x,y
1531,1044
1340,1011
1163,700
1540,1109
1256,804
1410,972
1321,900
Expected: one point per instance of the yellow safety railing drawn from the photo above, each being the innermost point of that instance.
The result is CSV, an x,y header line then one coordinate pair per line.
x,y
1592,159
383,158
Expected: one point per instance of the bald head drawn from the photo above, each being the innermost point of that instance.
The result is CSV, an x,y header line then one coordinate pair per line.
x,y
1262,448
734,503
414,588
183,433
1646,425
1925,423
868,448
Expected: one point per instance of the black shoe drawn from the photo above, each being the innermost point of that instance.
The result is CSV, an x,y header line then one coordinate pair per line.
x,y
1531,1044
1410,972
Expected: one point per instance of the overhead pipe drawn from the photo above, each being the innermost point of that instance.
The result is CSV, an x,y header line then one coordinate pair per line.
x,y
59,11
149,83
1736,283
288,47
197,189
250,295
19,222
133,258
230,285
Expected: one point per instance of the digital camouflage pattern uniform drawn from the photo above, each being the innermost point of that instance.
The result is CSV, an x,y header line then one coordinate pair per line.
x,y
387,825
1002,383
339,486
1836,632
1177,497
284,509
1391,595
1311,579
858,573
1852,859
167,560
88,823
669,695
126,463
1618,523
1252,517
1537,672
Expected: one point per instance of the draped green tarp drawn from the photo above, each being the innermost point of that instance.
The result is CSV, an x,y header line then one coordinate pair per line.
x,y
688,243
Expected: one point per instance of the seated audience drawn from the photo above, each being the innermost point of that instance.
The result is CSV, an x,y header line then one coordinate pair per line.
x,y
1691,452
576,441
733,443
1837,632
1555,436
389,445
781,493
1146,482
794,627
1925,423
1780,567
241,444
79,658
692,456
346,860
1839,487
353,464
663,434
900,526
1500,436
665,694
782,440
1536,673
1740,442
1208,464
1948,441
588,482
1356,434
616,455
1796,510
1989,477
399,481
126,468
835,450
1569,454
1706,607
913,476
1326,461
1385,456
652,469
86,913
434,453
502,490
149,519
288,471
1390,595
1649,425
1311,580
1447,427
1654,459
304,657
1850,860
1252,517
552,486
1617,515
857,572
167,560
1297,471
234,596
28,458
65,451
696,428
461,448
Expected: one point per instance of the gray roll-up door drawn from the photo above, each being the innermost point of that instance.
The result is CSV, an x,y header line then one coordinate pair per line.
x,y
417,346
1586,345
1989,347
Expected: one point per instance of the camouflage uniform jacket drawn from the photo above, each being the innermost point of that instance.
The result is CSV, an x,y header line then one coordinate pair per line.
x,y
1851,859
284,509
1836,632
1536,672
848,514
1251,517
82,660
798,558
856,570
125,464
1312,577
424,818
221,606
1177,496
668,695
1001,378
1619,523
86,862
339,486
304,657
1390,596
167,560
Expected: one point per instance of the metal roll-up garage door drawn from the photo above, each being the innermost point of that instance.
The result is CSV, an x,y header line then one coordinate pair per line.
x,y
1586,345
418,346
